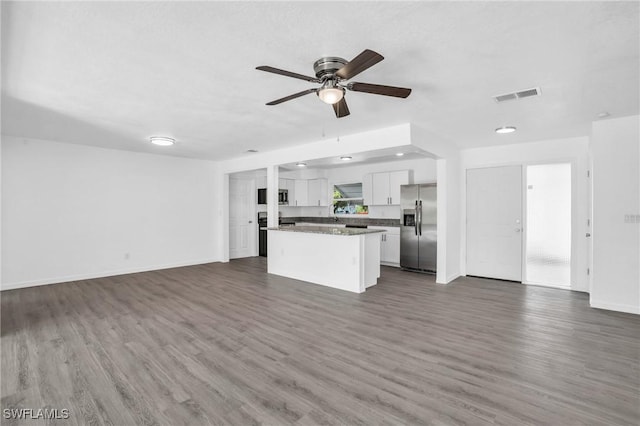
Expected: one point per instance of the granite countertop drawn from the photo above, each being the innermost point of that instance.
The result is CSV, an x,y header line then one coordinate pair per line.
x,y
344,220
329,230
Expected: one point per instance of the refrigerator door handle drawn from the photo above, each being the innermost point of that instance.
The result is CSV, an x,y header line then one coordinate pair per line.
x,y
420,223
415,220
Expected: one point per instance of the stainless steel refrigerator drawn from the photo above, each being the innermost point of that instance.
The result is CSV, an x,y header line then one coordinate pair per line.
x,y
418,238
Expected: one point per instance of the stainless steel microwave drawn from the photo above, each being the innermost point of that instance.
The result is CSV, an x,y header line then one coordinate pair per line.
x,y
283,196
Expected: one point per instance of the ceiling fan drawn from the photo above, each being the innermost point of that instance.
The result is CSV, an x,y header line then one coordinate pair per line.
x,y
331,74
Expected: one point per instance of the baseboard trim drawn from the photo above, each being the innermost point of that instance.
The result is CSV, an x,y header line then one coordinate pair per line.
x,y
453,277
70,278
448,279
618,307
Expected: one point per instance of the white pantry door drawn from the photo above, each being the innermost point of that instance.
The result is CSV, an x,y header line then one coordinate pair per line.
x,y
494,222
242,223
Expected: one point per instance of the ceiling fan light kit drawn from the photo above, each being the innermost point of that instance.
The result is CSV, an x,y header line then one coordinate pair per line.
x,y
332,73
330,93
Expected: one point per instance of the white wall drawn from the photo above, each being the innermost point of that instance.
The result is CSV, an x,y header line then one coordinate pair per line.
x,y
573,150
615,148
449,220
72,212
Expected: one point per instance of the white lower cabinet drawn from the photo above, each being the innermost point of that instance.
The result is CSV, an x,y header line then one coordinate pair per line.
x,y
389,245
390,252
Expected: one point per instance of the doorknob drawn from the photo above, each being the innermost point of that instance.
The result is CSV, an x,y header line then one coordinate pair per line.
x,y
250,221
588,234
517,229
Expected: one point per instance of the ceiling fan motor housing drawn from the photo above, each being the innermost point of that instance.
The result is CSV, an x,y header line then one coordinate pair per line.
x,y
328,66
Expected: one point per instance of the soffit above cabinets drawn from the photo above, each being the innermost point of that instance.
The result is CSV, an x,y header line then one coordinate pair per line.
x,y
369,157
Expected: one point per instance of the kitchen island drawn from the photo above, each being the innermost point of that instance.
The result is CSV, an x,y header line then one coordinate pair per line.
x,y
343,258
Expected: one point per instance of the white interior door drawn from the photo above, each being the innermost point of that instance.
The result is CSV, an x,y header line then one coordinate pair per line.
x,y
494,222
242,223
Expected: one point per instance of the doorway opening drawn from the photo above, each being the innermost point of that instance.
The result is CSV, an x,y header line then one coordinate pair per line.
x,y
548,225
519,220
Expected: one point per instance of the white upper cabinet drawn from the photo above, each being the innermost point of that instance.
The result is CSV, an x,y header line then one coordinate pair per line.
x,y
318,195
312,192
396,179
384,188
380,189
261,182
291,187
301,190
367,190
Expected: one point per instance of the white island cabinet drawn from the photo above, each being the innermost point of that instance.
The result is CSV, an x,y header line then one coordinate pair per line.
x,y
343,258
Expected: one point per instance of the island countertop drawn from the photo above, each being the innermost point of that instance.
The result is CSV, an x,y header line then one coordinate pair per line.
x,y
328,230
343,258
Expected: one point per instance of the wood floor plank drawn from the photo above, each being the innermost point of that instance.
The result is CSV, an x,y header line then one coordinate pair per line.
x,y
230,344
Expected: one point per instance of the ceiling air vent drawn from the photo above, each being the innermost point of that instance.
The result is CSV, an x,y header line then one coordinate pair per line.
x,y
518,95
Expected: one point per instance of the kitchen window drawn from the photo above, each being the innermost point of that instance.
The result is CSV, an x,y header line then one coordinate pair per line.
x,y
347,199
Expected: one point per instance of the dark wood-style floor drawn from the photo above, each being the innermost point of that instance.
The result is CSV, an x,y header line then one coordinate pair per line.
x,y
229,344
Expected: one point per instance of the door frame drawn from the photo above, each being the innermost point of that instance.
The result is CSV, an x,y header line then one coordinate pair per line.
x,y
573,261
253,228
576,232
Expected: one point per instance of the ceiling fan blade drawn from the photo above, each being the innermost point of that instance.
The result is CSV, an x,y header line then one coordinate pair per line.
x,y
363,61
341,109
295,95
288,73
377,89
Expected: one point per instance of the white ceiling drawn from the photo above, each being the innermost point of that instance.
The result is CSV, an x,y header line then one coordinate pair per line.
x,y
114,73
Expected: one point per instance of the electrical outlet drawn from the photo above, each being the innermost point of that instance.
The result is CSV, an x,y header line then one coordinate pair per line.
x,y
632,218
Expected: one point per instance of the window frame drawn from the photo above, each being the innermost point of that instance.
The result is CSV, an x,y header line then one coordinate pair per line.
x,y
333,200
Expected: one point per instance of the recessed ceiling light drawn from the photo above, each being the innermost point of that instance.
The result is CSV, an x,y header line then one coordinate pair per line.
x,y
252,150
162,140
345,158
301,164
505,129
603,114
399,154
